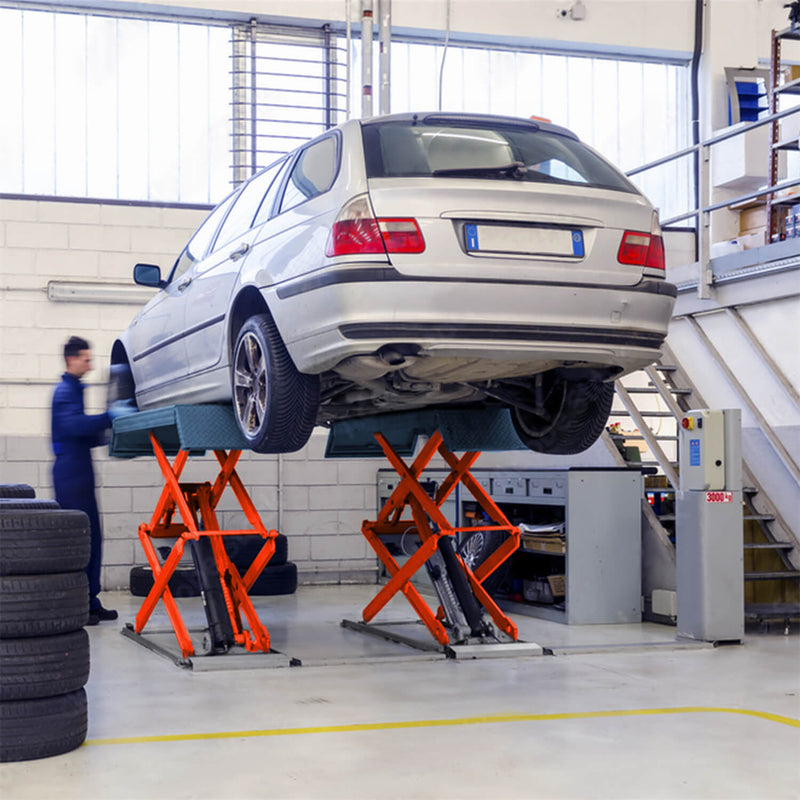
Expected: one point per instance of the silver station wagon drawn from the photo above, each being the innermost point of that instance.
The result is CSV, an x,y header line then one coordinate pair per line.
x,y
406,262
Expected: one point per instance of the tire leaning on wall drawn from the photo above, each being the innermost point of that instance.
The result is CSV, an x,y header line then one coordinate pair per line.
x,y
274,580
44,604
16,490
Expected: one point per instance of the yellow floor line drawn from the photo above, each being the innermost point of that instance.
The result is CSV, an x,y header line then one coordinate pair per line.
x,y
435,723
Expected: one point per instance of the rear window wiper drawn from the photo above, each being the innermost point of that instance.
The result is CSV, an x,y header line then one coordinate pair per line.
x,y
516,170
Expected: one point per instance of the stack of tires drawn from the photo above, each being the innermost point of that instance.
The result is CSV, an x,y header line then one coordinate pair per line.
x,y
44,604
278,577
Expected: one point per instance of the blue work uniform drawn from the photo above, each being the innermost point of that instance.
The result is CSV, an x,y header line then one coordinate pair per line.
x,y
74,434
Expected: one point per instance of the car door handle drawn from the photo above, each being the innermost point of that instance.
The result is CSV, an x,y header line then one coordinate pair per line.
x,y
237,254
183,284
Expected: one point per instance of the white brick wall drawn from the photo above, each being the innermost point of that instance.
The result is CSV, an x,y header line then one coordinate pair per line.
x,y
322,503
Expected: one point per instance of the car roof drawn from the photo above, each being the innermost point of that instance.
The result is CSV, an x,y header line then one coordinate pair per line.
x,y
435,117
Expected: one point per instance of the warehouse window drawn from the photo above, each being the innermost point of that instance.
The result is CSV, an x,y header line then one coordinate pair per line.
x,y
150,109
632,112
105,107
177,110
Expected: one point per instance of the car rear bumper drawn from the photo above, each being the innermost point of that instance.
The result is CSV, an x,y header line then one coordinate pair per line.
x,y
335,314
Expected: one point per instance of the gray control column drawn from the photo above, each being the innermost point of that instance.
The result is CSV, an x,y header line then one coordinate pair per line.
x,y
709,540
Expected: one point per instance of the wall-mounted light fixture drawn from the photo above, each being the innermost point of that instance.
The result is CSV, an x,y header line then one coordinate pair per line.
x,y
90,292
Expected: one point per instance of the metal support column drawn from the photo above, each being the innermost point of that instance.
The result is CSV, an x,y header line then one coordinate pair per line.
x,y
366,58
239,145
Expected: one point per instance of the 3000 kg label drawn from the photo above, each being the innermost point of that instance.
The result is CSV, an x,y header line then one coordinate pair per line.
x,y
719,497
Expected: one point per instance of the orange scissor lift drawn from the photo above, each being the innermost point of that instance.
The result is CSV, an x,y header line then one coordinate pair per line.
x,y
186,513
468,621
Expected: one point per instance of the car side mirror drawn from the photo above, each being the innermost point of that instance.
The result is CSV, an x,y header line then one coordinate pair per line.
x,y
148,275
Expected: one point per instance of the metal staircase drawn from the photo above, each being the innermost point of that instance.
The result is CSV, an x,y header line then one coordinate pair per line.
x,y
652,402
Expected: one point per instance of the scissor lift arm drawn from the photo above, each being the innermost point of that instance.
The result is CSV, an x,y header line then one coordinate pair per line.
x,y
186,512
467,614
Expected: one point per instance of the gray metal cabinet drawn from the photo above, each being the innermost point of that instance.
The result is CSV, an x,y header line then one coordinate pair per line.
x,y
601,509
602,514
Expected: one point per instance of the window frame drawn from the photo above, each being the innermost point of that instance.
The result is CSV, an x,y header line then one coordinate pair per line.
x,y
229,199
278,209
216,242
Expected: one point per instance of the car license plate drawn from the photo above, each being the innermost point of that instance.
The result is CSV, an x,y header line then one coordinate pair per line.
x,y
524,240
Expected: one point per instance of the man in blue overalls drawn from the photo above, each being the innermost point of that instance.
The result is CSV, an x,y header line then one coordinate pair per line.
x,y
74,434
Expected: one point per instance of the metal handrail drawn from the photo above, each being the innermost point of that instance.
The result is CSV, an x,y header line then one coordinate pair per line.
x,y
716,139
775,187
700,212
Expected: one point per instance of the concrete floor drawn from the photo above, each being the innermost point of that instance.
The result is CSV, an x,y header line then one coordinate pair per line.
x,y
632,718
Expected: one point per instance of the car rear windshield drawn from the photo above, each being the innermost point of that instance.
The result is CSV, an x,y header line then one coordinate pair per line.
x,y
409,149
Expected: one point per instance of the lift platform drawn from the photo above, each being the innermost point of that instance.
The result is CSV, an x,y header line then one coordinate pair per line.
x,y
468,623
186,512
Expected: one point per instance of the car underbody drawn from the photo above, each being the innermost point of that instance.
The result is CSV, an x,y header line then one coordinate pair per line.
x,y
364,386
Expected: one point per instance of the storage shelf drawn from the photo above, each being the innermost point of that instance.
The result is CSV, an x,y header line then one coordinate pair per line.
x,y
786,202
793,87
769,546
601,511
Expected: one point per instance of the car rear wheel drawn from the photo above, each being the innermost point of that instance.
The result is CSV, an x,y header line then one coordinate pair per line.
x,y
569,419
275,404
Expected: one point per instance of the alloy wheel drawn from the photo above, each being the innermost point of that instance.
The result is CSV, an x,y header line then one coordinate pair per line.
x,y
250,383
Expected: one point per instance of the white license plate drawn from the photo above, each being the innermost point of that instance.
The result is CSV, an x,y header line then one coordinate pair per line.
x,y
524,240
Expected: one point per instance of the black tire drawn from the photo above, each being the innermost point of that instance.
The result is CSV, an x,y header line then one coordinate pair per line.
x,y
573,416
273,580
26,503
120,384
183,582
275,404
476,547
44,727
276,580
38,542
16,490
43,605
243,549
43,666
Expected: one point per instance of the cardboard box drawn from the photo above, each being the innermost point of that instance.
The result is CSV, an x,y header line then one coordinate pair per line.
x,y
755,239
741,162
558,585
752,218
543,544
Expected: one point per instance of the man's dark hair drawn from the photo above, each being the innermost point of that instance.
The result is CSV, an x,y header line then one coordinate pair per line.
x,y
74,346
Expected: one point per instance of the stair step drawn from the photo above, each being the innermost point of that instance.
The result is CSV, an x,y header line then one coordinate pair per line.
x,y
666,517
658,438
749,490
760,517
625,413
665,367
653,390
771,576
768,546
765,609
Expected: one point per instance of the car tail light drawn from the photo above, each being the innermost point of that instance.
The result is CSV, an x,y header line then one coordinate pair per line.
x,y
641,249
357,231
401,235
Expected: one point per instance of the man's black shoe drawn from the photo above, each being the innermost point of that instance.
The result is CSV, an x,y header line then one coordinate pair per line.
x,y
101,615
